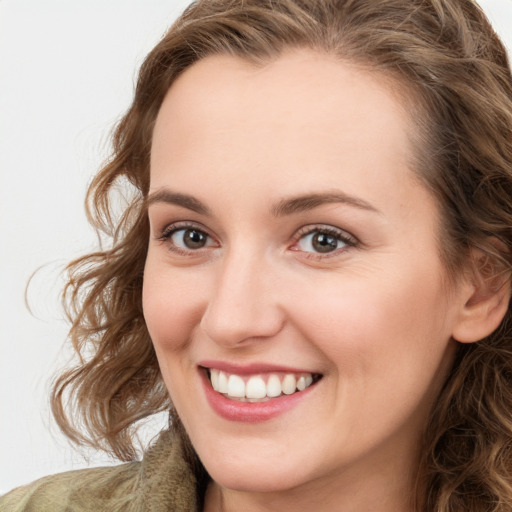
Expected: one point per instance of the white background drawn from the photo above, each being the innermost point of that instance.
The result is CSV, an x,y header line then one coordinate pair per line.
x,y
67,71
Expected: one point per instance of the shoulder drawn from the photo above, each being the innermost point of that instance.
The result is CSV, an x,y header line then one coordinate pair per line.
x,y
162,481
95,489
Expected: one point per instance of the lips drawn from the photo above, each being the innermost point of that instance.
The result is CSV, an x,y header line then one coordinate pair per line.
x,y
254,393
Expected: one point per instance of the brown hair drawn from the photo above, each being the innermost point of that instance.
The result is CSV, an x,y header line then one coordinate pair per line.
x,y
446,53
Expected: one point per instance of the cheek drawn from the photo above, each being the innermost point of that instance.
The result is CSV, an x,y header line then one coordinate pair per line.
x,y
379,321
172,310
388,344
172,306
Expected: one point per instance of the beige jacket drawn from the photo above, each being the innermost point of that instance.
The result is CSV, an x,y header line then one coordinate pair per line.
x,y
161,482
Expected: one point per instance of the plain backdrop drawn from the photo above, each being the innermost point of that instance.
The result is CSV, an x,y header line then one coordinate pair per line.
x,y
67,73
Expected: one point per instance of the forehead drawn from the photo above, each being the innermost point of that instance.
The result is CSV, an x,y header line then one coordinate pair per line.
x,y
295,117
300,93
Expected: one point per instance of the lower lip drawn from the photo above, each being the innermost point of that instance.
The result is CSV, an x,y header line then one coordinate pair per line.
x,y
250,412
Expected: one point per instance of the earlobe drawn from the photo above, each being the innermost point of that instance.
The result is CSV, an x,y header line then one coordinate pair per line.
x,y
485,300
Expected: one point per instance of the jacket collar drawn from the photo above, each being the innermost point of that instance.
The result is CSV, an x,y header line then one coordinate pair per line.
x,y
166,481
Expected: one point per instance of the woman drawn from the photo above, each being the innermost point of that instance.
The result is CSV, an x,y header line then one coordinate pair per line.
x,y
314,274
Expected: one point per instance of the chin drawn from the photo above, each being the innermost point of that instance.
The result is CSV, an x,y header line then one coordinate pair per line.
x,y
248,472
255,479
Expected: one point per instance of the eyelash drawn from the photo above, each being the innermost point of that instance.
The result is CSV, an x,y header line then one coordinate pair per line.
x,y
170,230
340,235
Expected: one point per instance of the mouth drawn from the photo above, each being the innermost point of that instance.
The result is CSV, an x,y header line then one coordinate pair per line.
x,y
259,387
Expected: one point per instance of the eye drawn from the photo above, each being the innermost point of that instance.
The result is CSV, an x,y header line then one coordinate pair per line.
x,y
186,239
189,239
324,240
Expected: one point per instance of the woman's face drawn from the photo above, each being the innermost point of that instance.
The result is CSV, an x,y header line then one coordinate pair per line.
x,y
292,246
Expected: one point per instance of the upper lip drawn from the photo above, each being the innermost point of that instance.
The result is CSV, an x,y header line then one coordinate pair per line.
x,y
252,368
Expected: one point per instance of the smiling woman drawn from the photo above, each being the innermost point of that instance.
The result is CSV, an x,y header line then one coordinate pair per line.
x,y
314,277
311,293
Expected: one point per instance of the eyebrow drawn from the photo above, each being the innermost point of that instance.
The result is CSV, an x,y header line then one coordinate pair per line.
x,y
183,200
284,207
310,201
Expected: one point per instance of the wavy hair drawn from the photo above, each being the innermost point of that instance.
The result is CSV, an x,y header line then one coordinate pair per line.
x,y
454,76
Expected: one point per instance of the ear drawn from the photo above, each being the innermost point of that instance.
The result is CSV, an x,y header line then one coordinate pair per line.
x,y
485,299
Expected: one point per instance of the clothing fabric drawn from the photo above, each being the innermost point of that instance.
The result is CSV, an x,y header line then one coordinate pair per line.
x,y
161,482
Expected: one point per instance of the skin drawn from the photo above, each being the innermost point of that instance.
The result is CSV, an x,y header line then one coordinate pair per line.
x,y
376,316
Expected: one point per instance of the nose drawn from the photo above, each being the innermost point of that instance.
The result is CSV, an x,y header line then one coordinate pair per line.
x,y
244,303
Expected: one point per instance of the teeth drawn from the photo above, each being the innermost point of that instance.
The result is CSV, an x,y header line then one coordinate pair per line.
x,y
274,386
214,377
236,386
289,384
255,389
223,383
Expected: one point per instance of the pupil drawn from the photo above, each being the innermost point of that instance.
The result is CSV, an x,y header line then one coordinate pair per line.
x,y
324,243
194,239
